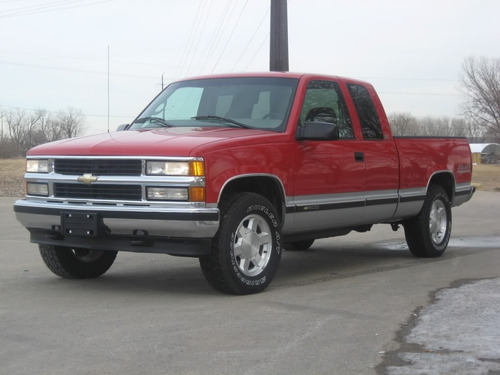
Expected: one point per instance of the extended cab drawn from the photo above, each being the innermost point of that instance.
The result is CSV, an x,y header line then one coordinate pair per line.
x,y
233,169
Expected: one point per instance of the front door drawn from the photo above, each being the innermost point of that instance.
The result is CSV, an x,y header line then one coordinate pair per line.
x,y
329,174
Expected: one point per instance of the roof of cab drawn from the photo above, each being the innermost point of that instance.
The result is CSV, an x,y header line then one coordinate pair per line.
x,y
294,75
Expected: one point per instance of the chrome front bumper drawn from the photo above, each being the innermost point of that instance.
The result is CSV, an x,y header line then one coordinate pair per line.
x,y
122,227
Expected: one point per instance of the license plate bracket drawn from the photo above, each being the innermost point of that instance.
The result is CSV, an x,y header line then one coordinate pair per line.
x,y
84,224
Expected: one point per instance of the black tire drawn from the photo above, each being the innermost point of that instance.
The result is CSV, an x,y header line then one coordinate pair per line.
x,y
299,245
428,234
75,263
246,250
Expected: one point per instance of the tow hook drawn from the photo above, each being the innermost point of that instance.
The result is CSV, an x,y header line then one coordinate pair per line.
x,y
142,238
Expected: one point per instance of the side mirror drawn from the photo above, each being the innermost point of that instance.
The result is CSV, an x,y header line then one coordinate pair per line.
x,y
122,127
317,131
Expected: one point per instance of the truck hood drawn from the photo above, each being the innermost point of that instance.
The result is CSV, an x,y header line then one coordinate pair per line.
x,y
180,141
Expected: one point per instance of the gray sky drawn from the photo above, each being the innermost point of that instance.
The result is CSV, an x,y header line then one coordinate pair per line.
x,y
54,53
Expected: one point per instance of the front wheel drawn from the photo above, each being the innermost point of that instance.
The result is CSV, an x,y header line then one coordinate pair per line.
x,y
76,263
246,250
428,233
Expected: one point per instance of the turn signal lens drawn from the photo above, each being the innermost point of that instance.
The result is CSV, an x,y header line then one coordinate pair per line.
x,y
196,194
197,168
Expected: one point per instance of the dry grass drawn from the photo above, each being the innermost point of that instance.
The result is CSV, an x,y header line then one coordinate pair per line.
x,y
11,177
485,177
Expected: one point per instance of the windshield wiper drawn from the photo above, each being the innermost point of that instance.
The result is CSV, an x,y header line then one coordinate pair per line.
x,y
224,119
154,120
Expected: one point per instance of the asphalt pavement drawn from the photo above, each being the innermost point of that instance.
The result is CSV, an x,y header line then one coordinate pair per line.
x,y
358,304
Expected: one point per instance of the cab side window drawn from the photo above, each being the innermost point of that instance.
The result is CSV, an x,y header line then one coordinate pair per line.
x,y
324,103
368,116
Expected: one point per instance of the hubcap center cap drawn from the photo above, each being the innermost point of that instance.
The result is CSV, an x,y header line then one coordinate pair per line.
x,y
250,245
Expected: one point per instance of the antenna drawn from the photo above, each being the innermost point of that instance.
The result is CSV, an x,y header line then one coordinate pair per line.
x,y
108,88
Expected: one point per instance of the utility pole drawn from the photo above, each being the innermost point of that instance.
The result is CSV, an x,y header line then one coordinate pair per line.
x,y
278,61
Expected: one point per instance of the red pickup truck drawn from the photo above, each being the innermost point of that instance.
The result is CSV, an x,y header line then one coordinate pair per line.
x,y
233,169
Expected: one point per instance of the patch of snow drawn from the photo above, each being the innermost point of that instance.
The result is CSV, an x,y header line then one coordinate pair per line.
x,y
440,364
459,333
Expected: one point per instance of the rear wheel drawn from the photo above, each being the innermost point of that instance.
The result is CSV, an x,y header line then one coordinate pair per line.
x,y
76,263
246,250
428,233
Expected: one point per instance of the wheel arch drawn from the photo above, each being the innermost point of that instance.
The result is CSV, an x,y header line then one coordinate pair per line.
x,y
446,180
269,186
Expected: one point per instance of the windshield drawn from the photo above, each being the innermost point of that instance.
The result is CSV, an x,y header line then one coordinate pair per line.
x,y
249,102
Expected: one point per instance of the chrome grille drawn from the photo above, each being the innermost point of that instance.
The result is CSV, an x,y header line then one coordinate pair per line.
x,y
98,167
98,191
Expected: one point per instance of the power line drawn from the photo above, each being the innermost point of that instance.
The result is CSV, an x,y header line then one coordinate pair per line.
x,y
85,71
252,38
230,36
187,45
35,7
144,77
48,7
198,36
88,59
257,52
216,36
202,32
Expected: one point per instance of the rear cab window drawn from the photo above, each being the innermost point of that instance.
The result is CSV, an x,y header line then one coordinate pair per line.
x,y
367,113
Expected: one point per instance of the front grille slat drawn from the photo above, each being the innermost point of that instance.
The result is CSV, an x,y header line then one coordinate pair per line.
x,y
98,167
98,191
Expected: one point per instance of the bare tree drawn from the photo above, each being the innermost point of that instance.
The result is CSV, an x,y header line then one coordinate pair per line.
x,y
70,123
462,127
32,128
480,81
27,129
430,126
16,126
403,123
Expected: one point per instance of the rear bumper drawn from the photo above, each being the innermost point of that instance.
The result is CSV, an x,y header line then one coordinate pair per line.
x,y
173,231
463,193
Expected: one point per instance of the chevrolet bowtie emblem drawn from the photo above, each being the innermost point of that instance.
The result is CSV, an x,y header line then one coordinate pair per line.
x,y
87,178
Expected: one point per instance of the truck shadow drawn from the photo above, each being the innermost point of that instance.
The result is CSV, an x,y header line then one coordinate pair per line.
x,y
152,273
324,262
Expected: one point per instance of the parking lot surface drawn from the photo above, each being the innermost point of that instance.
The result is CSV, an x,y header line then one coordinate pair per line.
x,y
346,306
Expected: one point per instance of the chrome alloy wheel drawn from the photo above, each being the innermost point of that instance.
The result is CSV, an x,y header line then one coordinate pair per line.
x,y
438,222
253,245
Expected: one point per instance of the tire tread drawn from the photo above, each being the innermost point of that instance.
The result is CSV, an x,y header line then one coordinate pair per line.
x,y
63,263
416,229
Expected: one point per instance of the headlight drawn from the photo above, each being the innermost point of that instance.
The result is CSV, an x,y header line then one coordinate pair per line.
x,y
37,189
37,166
175,168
